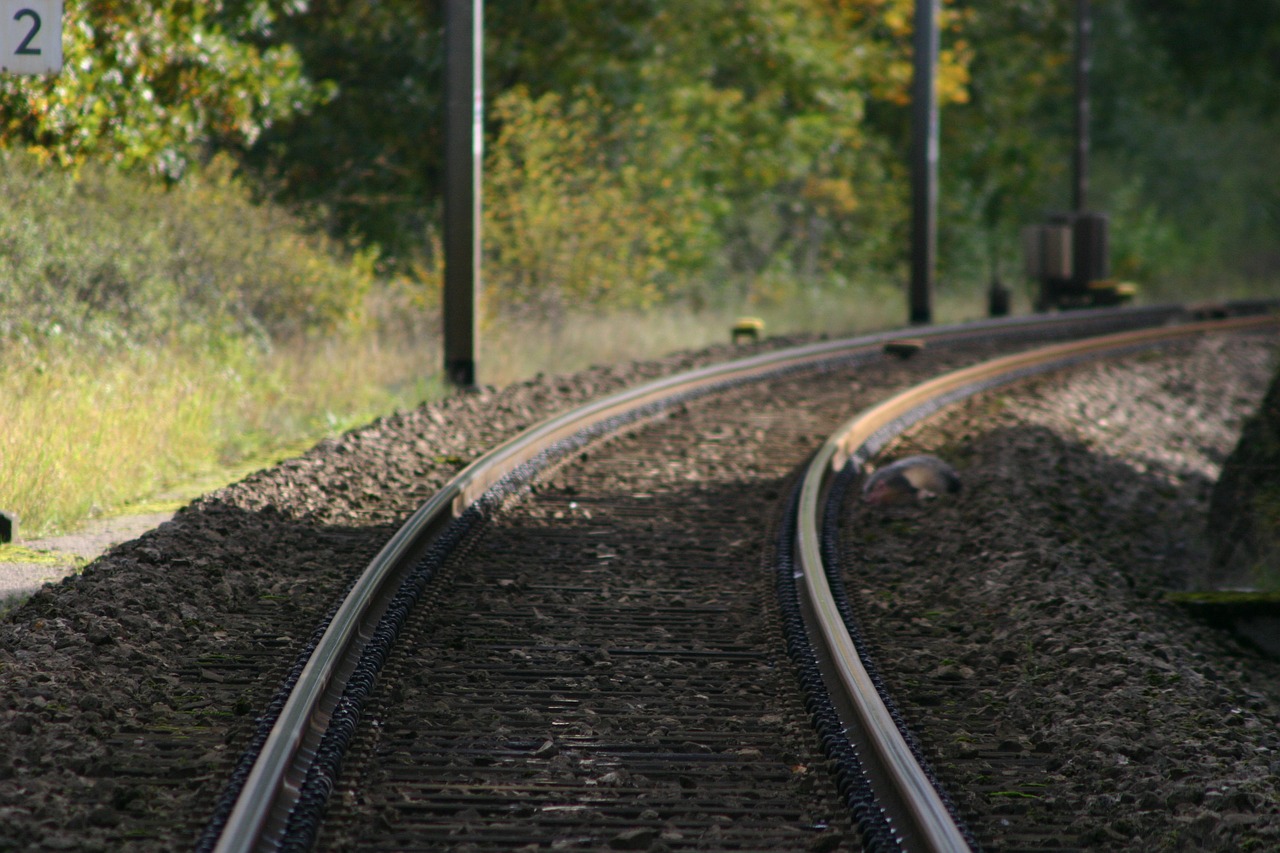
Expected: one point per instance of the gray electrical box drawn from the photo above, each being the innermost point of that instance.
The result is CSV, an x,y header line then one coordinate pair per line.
x,y
1069,255
1092,251
1047,249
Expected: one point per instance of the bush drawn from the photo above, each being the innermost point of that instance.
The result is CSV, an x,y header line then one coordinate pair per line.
x,y
569,219
149,333
106,257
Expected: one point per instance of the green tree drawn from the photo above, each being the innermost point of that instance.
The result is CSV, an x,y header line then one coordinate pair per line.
x,y
1226,52
370,156
747,118
155,83
1187,110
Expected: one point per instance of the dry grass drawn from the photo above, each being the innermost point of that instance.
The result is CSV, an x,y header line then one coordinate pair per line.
x,y
515,350
86,433
83,436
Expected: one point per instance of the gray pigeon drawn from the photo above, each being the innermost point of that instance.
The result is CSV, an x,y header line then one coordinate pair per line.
x,y
910,479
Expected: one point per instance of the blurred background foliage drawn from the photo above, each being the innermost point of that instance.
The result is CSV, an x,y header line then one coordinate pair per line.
x,y
720,151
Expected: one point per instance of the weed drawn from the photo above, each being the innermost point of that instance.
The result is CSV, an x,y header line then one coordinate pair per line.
x,y
19,554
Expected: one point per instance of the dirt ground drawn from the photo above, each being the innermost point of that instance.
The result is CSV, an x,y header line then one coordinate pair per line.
x,y
35,562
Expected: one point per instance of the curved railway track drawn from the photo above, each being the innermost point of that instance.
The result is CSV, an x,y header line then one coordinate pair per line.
x,y
923,817
598,707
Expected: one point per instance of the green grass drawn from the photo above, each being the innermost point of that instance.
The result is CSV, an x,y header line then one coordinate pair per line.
x,y
17,554
89,432
515,350
153,337
86,433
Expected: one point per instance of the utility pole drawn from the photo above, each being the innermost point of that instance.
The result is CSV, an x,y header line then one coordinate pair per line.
x,y
924,162
463,150
1080,184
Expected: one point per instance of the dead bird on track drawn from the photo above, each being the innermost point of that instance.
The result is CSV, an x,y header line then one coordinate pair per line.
x,y
911,479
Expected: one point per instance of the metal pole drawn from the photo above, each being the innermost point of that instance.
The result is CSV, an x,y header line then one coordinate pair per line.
x,y
463,149
924,162
1080,187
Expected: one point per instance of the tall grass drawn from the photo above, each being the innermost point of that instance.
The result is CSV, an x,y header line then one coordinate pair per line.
x,y
86,431
150,332
82,436
515,349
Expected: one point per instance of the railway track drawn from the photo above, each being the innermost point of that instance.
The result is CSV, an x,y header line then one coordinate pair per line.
x,y
923,816
132,689
523,703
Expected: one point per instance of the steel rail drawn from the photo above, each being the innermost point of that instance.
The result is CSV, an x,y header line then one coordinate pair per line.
x,y
271,787
921,814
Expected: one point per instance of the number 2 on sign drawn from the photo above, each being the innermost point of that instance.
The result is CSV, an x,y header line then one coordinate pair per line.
x,y
30,36
25,48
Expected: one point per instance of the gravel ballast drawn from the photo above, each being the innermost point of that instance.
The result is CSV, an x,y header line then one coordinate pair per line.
x,y
130,690
1036,597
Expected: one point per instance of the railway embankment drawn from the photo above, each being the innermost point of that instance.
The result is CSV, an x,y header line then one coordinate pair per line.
x,y
128,692
1244,513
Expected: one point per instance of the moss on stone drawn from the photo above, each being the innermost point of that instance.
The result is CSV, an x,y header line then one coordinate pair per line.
x,y
31,556
1225,597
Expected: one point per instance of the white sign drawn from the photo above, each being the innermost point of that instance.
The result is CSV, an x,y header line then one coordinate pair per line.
x,y
30,36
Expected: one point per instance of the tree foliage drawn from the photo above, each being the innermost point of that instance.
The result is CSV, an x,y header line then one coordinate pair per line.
x,y
1188,111
98,256
1225,53
154,83
736,137
641,149
1005,150
371,155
